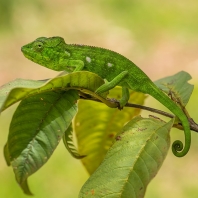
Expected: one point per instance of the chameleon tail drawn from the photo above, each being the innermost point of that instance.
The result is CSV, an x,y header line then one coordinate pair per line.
x,y
177,146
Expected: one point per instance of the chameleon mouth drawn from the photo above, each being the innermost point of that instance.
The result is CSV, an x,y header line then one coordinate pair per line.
x,y
26,52
23,49
27,56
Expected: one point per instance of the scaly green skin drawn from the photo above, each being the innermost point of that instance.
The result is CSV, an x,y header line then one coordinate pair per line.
x,y
55,54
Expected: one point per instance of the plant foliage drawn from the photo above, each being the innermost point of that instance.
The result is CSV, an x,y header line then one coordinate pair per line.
x,y
121,150
132,161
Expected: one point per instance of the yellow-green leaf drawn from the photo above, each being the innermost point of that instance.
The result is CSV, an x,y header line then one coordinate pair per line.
x,y
20,89
132,161
177,87
69,143
96,126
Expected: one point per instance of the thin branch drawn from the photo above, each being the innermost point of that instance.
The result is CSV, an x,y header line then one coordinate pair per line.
x,y
150,109
193,125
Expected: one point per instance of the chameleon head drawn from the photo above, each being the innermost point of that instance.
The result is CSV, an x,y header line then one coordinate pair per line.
x,y
48,52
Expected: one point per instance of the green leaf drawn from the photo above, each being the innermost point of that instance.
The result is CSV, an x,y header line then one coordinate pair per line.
x,y
177,87
133,160
6,95
96,125
36,128
25,188
69,144
20,89
6,154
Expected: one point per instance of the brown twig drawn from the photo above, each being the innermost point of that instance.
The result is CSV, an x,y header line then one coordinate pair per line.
x,y
193,125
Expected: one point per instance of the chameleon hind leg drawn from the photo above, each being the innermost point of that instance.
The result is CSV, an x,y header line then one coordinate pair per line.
x,y
125,97
110,85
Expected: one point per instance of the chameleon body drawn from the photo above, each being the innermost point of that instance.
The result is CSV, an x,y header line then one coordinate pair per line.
x,y
116,69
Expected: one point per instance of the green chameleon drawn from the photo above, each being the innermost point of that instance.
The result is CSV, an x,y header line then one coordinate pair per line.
x,y
55,54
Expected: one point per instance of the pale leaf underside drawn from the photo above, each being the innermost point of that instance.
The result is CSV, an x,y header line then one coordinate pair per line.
x,y
133,160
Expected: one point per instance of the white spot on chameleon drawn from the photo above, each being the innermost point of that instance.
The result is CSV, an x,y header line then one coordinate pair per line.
x,y
88,59
109,64
66,52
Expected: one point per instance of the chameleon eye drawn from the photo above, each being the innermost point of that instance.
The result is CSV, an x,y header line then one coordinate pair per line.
x,y
38,46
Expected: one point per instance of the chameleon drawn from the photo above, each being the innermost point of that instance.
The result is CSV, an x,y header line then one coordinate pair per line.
x,y
117,70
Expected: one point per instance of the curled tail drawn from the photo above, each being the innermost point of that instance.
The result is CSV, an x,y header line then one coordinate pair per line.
x,y
177,146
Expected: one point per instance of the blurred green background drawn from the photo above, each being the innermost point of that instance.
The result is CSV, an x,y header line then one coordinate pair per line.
x,y
161,37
